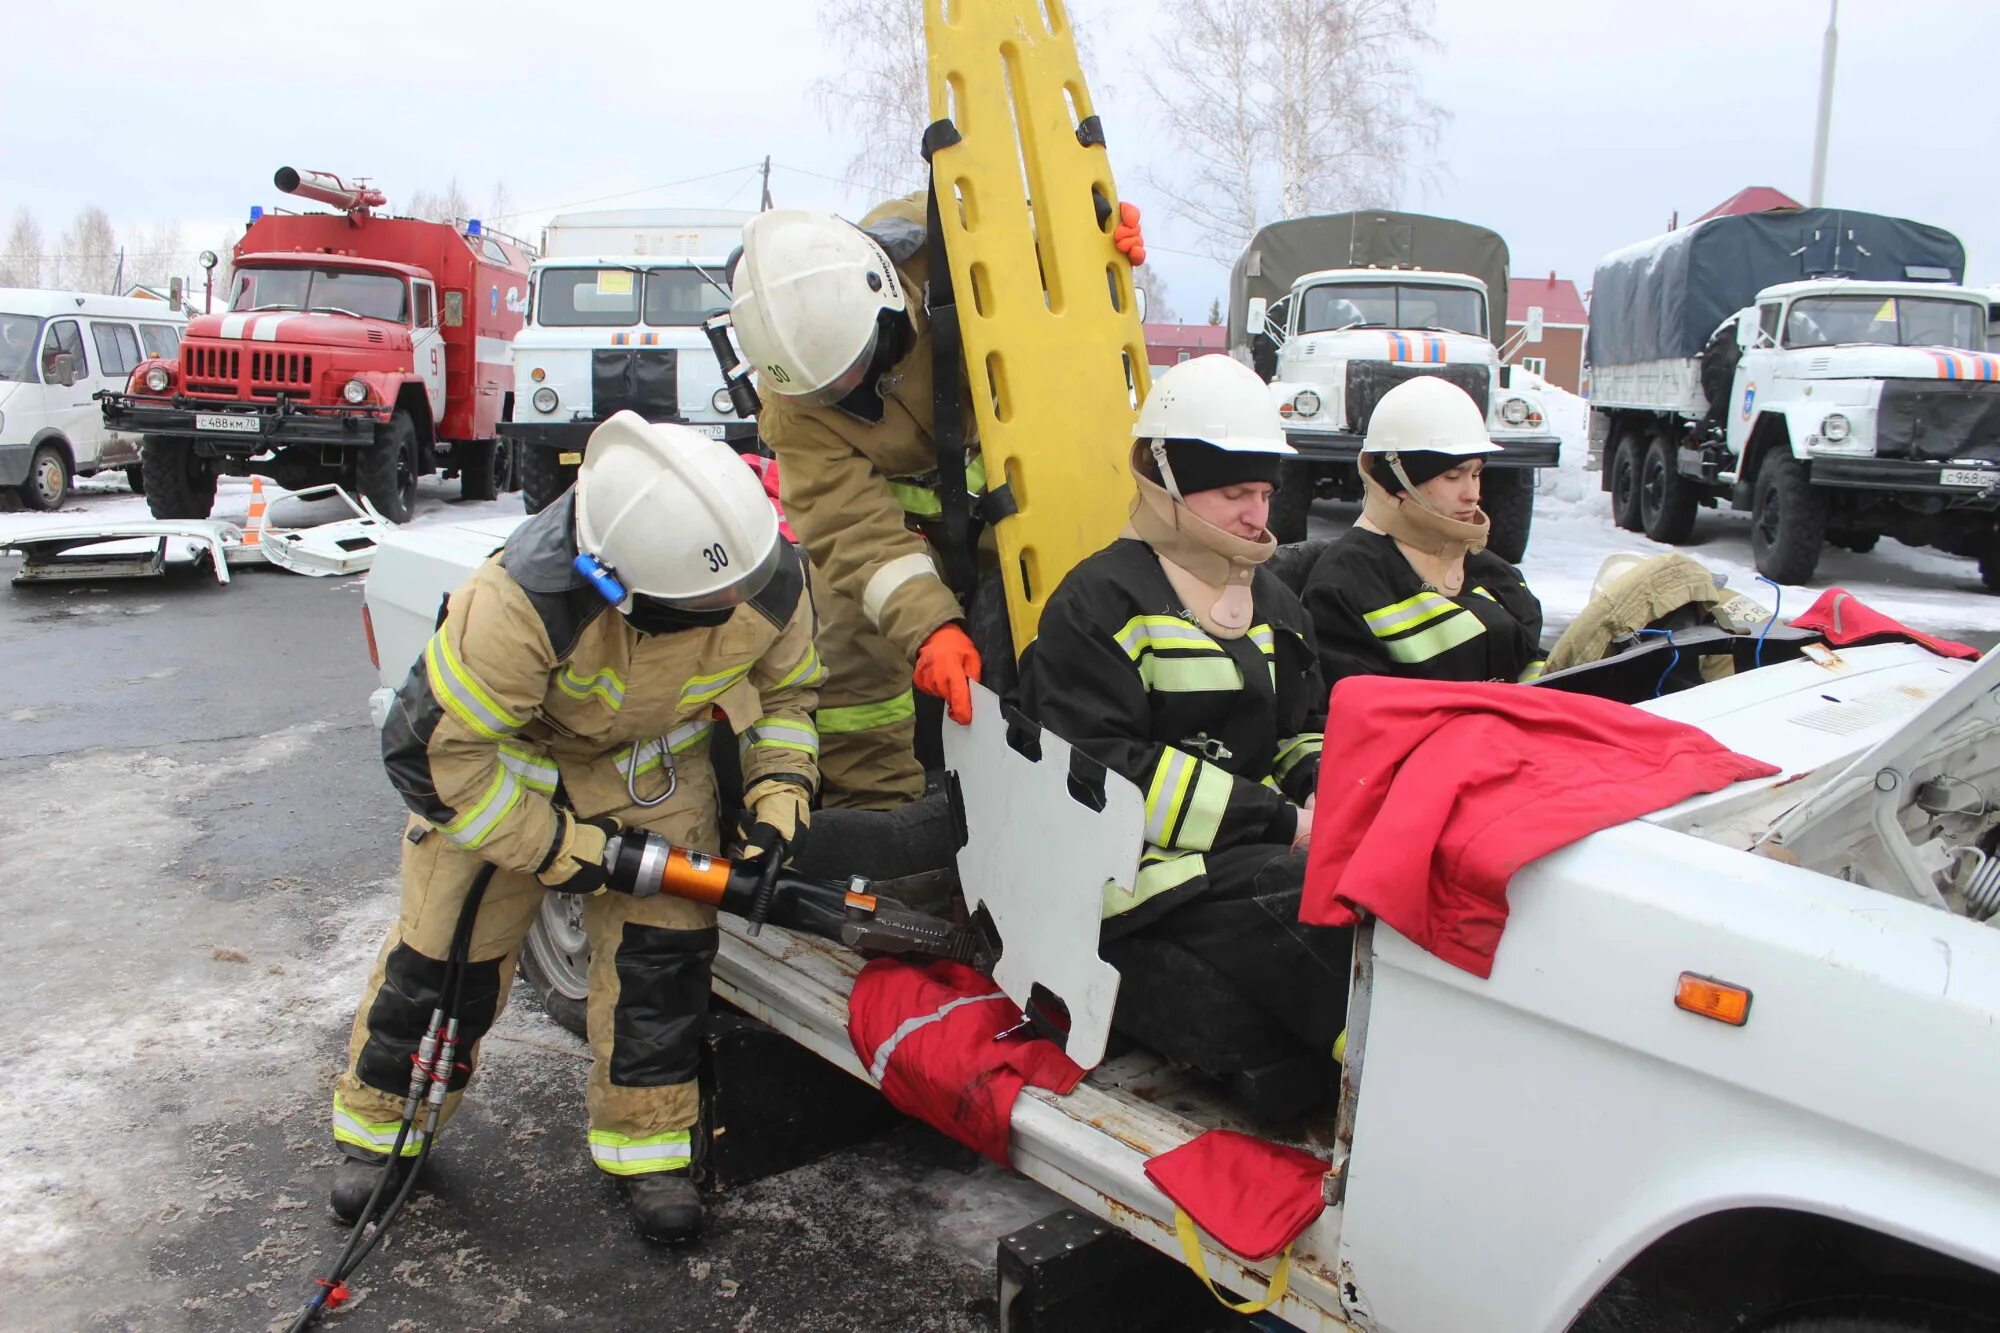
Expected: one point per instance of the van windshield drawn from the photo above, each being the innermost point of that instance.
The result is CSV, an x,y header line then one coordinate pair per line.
x,y
1888,321
581,298
1402,305
17,347
331,290
683,296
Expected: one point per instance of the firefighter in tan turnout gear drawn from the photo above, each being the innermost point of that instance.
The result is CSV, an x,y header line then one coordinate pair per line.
x,y
833,317
570,691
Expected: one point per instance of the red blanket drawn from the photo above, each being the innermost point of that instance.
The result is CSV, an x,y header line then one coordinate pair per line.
x,y
927,1035
1845,618
1432,794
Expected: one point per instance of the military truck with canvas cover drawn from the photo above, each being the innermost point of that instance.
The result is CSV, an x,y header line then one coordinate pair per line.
x,y
615,322
1334,311
1820,368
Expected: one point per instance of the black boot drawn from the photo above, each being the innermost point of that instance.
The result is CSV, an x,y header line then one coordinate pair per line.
x,y
354,1181
665,1206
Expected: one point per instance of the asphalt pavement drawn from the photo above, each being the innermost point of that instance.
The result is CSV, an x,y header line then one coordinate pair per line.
x,y
199,850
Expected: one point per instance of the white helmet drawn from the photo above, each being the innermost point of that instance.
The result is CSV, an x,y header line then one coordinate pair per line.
x,y
674,516
1217,400
1428,415
810,294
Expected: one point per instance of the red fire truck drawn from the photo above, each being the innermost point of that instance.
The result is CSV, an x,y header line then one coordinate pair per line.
x,y
357,348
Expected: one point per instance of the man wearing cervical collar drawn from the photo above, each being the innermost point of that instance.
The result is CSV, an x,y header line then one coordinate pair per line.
x,y
1175,660
1411,590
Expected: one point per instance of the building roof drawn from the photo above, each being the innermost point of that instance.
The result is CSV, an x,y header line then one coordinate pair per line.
x,y
1214,336
1751,199
1556,296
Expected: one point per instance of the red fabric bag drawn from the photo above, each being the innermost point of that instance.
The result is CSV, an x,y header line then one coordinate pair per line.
x,y
1845,619
1254,1196
1434,793
927,1035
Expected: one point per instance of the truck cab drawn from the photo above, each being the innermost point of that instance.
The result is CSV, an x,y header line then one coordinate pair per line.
x,y
607,333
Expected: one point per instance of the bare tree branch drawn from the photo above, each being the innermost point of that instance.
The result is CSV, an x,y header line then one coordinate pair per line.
x,y
88,260
21,264
881,93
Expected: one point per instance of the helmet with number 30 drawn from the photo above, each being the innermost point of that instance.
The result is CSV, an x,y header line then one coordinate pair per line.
x,y
676,517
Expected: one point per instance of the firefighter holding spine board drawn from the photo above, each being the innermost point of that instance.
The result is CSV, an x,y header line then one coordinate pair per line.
x,y
569,692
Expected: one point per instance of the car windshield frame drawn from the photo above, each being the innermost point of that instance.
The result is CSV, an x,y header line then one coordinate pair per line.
x,y
12,328
341,293
691,279
1821,307
1393,291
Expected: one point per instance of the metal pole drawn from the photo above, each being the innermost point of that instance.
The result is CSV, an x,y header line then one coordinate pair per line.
x,y
208,294
1826,60
766,205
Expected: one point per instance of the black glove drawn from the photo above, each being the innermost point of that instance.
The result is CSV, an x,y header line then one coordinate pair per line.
x,y
756,838
575,863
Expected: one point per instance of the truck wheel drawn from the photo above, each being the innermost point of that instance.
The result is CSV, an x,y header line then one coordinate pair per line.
x,y
178,485
1861,543
1989,564
1787,520
386,472
1508,497
1625,461
135,477
1291,503
48,480
1666,501
478,477
1876,1314
543,479
556,960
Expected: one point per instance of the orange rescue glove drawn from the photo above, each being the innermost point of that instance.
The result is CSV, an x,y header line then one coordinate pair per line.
x,y
947,665
1131,242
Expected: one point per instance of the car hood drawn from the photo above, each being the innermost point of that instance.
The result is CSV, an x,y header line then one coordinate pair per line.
x,y
294,328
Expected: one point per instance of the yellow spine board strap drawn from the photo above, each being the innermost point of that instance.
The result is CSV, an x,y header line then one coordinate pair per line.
x,y
1054,355
1281,1276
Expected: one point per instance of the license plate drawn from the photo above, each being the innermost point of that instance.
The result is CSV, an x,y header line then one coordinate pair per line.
x,y
1976,478
713,432
222,421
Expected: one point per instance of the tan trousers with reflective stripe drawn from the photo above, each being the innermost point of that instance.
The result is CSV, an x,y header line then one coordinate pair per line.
x,y
874,768
436,878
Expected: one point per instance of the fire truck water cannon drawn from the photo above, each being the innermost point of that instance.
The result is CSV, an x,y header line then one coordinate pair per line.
x,y
327,188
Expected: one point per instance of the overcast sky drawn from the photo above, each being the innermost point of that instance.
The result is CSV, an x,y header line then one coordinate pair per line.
x,y
1577,126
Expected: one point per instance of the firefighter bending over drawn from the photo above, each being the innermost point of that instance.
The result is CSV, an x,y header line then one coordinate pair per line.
x,y
1410,590
571,691
833,317
1171,657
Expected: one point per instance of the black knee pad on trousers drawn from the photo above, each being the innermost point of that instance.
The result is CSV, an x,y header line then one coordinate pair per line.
x,y
662,1004
411,989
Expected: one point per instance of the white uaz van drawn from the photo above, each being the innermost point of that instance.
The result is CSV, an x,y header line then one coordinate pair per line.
x,y
58,350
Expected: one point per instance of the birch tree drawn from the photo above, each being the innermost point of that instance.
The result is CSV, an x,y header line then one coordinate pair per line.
x,y
446,205
1281,108
881,94
89,255
21,265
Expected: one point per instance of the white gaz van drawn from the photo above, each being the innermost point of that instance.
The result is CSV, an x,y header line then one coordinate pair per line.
x,y
57,350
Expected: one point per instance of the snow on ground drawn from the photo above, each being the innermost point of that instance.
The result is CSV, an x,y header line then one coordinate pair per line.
x,y
1573,533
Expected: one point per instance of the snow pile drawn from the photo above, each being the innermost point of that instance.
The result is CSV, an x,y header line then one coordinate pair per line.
x,y
1573,533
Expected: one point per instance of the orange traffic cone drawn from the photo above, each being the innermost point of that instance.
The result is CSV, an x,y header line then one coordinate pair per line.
x,y
253,526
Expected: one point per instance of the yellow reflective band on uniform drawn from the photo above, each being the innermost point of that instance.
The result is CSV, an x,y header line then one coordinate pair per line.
x,y
1142,634
866,717
1167,792
604,684
537,772
1530,672
922,500
376,1136
677,740
1159,871
1184,675
473,826
809,671
1441,637
707,689
458,691
1206,806
1481,592
1186,800
783,734
1292,751
1262,636
1408,613
623,1156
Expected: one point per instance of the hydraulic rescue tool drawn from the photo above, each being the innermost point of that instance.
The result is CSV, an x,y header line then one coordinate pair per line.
x,y
761,890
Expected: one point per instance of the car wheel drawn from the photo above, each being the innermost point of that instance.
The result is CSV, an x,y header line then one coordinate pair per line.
x,y
543,478
556,960
1625,459
1508,497
386,472
478,469
1666,502
178,484
135,477
1787,520
48,480
1291,503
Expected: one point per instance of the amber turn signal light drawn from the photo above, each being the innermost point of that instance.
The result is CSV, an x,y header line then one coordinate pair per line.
x,y
1714,999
